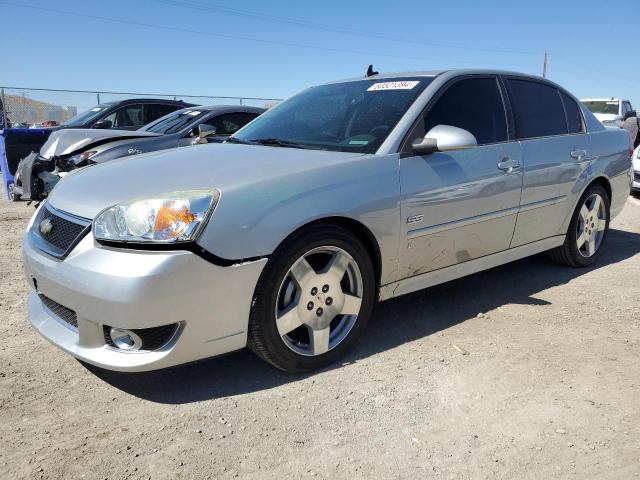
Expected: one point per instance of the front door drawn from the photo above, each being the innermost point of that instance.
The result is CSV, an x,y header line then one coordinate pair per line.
x,y
460,205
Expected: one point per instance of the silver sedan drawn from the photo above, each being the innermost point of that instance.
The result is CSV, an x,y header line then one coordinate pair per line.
x,y
285,237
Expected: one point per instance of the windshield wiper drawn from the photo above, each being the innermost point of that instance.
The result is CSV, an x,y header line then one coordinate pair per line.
x,y
237,140
276,142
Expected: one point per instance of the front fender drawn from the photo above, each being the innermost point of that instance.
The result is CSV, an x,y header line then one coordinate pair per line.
x,y
252,219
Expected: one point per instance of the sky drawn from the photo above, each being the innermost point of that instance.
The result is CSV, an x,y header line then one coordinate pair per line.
x,y
274,49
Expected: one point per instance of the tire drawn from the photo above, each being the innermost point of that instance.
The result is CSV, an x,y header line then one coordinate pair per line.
x,y
573,252
305,314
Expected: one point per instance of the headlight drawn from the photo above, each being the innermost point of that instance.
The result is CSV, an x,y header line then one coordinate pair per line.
x,y
81,157
171,218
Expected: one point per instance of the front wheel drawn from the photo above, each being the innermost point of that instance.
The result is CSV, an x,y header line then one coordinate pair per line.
x,y
313,299
13,196
587,231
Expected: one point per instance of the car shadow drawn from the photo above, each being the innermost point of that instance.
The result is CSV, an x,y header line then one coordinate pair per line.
x,y
394,323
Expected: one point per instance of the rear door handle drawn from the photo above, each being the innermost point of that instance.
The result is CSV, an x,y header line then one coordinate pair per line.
x,y
508,165
578,154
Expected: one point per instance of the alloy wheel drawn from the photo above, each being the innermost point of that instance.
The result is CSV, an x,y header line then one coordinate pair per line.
x,y
319,300
592,224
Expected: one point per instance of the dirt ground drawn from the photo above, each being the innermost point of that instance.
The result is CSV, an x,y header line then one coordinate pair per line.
x,y
550,388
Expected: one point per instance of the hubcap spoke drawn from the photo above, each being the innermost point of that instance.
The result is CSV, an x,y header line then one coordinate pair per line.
x,y
338,265
602,224
584,213
320,340
302,271
595,207
591,246
581,239
289,320
351,305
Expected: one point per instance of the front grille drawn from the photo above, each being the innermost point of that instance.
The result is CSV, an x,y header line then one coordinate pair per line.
x,y
63,313
57,233
152,338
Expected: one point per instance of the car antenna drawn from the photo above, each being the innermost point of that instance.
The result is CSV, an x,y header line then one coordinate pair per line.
x,y
370,72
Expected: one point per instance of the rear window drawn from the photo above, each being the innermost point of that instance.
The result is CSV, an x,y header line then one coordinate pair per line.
x,y
537,108
574,116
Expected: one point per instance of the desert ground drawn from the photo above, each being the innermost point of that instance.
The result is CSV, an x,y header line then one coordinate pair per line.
x,y
530,370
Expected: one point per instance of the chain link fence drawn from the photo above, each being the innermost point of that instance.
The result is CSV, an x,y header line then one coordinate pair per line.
x,y
39,107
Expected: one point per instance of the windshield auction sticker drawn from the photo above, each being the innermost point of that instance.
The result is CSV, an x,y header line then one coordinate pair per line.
x,y
406,85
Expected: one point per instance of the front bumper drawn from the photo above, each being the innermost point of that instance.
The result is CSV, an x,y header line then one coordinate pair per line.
x,y
140,289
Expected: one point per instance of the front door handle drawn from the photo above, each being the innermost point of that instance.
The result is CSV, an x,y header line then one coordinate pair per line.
x,y
508,165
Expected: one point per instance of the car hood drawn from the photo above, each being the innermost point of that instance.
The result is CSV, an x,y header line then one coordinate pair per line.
x,y
74,140
87,191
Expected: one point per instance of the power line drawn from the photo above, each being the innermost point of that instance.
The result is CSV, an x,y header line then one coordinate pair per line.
x,y
201,5
235,37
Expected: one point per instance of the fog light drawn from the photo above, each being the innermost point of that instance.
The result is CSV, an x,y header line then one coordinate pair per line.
x,y
125,339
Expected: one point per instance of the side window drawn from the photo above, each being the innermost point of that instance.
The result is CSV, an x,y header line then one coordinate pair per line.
x,y
537,109
230,123
154,111
574,116
127,116
475,105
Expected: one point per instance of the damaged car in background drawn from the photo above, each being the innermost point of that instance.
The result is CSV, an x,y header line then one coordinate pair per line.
x,y
68,150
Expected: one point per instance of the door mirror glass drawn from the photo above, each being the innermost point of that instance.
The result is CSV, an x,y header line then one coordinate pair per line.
x,y
443,138
103,124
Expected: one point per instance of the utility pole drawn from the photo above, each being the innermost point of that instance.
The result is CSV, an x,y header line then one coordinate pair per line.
x,y
544,68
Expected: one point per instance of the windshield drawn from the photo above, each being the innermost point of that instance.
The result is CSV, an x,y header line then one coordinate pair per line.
x,y
87,116
603,106
349,117
175,121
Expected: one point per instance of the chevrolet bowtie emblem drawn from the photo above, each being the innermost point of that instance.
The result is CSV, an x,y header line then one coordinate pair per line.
x,y
46,226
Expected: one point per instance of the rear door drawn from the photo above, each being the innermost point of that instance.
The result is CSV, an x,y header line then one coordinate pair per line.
x,y
555,151
460,205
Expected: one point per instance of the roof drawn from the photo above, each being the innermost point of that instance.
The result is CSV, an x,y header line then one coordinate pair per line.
x,y
435,73
226,108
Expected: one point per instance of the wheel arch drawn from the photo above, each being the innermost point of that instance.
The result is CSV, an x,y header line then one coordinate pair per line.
x,y
598,180
604,182
361,231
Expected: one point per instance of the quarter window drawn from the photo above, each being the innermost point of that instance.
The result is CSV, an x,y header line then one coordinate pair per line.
x,y
574,117
128,116
475,105
537,109
154,111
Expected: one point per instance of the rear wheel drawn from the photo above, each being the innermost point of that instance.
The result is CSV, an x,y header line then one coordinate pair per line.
x,y
587,231
313,299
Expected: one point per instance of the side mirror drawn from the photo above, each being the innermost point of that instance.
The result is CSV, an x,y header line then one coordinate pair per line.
x,y
630,114
203,131
443,138
103,124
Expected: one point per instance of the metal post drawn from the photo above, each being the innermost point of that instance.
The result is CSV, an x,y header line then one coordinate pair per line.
x,y
98,97
544,68
240,100
5,119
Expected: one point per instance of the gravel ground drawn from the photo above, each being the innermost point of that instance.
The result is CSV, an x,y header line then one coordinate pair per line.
x,y
530,370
